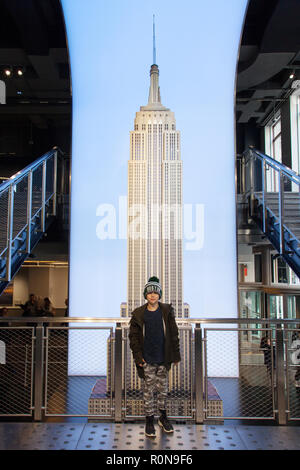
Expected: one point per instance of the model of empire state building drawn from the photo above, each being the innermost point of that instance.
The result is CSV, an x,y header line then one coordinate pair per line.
x,y
154,238
154,234
154,245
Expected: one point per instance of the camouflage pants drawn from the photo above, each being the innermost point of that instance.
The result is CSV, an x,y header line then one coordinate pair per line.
x,y
156,378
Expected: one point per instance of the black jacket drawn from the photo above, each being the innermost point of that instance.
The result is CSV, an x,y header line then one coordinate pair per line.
x,y
136,336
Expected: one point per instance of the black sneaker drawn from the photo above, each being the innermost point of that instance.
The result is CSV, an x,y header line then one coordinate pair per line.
x,y
164,422
150,429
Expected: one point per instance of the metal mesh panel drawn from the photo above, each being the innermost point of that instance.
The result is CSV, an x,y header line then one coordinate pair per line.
x,y
3,218
49,177
79,375
238,375
181,378
16,371
49,183
293,372
180,382
20,207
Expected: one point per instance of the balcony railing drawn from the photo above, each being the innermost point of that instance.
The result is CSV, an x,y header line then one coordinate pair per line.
x,y
83,367
276,188
27,199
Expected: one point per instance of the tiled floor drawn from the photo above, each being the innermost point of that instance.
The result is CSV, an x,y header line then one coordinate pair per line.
x,y
111,436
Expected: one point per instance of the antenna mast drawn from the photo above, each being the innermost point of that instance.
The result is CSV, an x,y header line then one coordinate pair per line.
x,y
154,48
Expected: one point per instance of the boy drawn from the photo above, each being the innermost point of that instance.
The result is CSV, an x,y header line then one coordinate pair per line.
x,y
154,342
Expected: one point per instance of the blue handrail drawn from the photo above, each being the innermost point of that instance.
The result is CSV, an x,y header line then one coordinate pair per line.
x,y
24,209
292,175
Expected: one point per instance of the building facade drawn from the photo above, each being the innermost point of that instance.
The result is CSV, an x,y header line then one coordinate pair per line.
x,y
155,203
154,235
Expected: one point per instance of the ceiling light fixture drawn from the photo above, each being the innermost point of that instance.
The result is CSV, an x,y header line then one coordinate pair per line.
x,y
13,70
8,71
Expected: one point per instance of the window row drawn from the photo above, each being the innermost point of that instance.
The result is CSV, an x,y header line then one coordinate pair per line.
x,y
154,127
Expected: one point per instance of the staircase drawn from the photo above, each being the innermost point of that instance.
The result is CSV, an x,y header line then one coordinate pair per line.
x,y
277,212
27,208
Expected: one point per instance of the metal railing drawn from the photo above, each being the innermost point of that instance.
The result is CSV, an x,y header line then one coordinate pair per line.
x,y
83,367
276,187
26,199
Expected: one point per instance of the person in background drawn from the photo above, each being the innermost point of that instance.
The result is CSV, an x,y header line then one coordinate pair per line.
x,y
39,306
47,308
66,311
3,313
266,347
30,307
67,307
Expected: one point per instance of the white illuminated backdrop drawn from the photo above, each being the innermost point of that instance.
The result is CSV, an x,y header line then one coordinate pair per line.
x,y
110,46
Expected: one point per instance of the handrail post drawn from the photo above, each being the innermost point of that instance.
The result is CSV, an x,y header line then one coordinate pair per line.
x,y
38,372
10,220
62,177
251,183
43,217
264,215
280,377
281,211
29,212
199,413
118,372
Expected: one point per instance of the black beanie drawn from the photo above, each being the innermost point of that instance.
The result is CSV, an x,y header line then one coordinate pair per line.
x,y
153,285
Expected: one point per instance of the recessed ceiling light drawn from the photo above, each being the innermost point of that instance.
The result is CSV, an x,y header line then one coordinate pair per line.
x,y
7,72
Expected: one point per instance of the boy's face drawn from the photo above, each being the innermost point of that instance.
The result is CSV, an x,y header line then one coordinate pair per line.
x,y
152,298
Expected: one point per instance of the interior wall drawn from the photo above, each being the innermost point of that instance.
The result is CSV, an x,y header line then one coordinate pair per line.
x,y
21,290
29,142
49,282
247,134
58,286
38,281
286,144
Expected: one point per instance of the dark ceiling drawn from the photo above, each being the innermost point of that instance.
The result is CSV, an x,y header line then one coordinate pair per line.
x,y
32,34
37,114
270,52
38,105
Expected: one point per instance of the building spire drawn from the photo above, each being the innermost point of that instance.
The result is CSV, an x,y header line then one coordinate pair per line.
x,y
154,91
